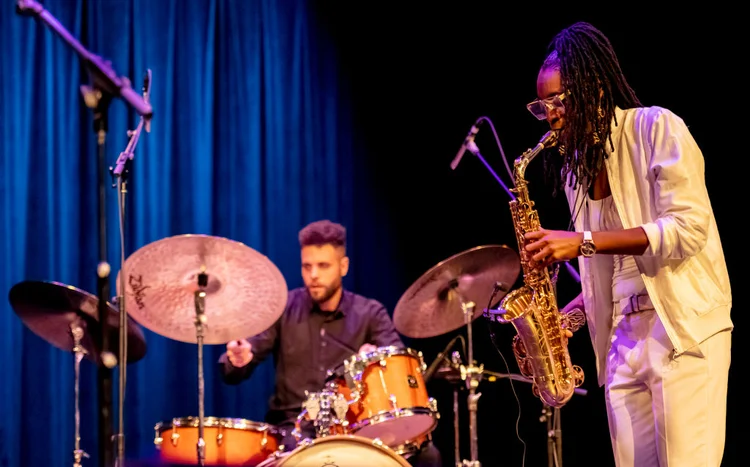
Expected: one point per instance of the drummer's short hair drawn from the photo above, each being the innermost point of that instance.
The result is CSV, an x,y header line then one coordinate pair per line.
x,y
323,232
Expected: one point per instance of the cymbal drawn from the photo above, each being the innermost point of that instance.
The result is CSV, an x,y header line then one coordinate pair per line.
x,y
432,305
49,308
245,294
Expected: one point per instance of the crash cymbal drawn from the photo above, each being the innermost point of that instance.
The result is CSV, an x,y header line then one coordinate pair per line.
x,y
245,295
432,305
49,309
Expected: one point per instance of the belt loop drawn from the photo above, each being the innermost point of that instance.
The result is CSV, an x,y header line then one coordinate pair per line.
x,y
635,306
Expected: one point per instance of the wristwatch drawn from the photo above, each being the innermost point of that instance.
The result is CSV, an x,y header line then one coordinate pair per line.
x,y
587,248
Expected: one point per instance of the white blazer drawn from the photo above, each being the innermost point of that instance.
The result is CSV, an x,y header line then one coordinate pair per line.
x,y
656,174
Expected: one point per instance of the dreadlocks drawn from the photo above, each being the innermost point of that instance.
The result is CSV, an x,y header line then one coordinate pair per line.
x,y
595,85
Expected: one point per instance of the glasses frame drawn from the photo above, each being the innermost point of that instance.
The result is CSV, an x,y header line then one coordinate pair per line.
x,y
555,102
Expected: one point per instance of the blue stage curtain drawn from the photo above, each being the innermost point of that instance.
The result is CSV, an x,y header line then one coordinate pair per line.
x,y
251,139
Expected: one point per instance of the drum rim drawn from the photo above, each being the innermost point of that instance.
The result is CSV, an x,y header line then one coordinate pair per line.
x,y
213,422
307,443
378,354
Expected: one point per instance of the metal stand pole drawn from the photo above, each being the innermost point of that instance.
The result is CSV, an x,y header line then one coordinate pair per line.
x,y
79,351
472,374
554,435
456,431
200,321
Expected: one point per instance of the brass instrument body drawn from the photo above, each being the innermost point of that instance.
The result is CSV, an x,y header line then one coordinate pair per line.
x,y
540,343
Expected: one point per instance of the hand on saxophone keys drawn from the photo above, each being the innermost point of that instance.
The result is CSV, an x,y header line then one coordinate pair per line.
x,y
550,246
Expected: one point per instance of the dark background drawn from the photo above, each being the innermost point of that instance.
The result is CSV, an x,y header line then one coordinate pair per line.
x,y
421,76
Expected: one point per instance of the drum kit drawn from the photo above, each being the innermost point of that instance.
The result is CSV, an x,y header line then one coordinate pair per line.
x,y
196,289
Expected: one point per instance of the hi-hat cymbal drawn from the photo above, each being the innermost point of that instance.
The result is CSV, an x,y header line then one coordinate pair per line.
x,y
432,305
245,295
50,308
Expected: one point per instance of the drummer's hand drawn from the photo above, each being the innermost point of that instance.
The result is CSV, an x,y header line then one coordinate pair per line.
x,y
239,353
367,348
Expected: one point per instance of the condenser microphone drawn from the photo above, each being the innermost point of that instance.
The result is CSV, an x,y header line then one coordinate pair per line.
x,y
468,142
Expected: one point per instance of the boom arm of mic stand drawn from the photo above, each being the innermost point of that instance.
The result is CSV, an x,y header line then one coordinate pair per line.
x,y
103,76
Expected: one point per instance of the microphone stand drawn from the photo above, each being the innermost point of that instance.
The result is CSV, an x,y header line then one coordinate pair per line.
x,y
121,171
97,96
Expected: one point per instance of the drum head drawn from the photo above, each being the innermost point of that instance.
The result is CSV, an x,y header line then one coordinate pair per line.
x,y
342,451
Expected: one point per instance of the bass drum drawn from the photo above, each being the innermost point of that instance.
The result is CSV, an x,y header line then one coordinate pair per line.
x,y
338,451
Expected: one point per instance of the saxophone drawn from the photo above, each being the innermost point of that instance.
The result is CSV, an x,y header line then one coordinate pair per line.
x,y
540,344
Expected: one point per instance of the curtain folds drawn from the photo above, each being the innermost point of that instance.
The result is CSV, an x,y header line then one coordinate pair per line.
x,y
251,139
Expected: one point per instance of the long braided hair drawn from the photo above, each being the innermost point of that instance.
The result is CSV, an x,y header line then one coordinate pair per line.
x,y
595,85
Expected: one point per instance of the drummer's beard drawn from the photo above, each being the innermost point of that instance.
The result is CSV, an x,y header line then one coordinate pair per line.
x,y
323,294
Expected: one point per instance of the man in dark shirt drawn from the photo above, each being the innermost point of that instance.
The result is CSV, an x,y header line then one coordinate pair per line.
x,y
322,326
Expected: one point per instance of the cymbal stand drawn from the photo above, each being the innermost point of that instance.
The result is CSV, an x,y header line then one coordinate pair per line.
x,y
472,375
77,332
200,321
456,360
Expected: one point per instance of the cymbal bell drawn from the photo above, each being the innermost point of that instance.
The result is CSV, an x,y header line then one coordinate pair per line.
x,y
51,309
245,294
432,305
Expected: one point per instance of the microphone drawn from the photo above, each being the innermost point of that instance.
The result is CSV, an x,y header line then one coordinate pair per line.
x,y
146,97
468,141
439,359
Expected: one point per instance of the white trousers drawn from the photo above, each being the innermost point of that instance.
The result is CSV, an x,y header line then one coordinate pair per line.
x,y
665,411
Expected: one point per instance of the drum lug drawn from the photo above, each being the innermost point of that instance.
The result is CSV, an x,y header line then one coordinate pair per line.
x,y
219,438
175,436
433,406
393,400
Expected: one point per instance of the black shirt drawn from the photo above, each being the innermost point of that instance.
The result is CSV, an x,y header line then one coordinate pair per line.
x,y
306,342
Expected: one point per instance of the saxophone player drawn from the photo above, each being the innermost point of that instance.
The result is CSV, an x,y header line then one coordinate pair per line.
x,y
654,281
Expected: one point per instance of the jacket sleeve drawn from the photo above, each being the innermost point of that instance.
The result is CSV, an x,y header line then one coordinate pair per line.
x,y
680,196
382,332
262,345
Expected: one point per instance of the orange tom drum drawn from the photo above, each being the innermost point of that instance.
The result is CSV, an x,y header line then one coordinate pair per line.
x,y
387,395
229,441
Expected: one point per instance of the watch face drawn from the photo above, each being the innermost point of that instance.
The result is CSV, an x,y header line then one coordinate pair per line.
x,y
588,249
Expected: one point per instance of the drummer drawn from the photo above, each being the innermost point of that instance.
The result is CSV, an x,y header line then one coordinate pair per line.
x,y
322,326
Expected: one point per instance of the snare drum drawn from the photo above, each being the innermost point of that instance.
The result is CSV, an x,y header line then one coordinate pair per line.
x,y
338,451
229,441
387,394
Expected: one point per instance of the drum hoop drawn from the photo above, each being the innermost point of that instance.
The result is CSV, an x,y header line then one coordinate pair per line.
x,y
374,356
213,422
307,443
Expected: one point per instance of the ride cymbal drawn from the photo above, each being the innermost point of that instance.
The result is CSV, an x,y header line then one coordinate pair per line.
x,y
50,308
246,293
432,305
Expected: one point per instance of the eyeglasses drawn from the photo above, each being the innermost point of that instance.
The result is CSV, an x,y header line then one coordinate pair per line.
x,y
539,108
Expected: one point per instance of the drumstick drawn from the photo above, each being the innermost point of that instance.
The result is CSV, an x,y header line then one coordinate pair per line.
x,y
339,343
